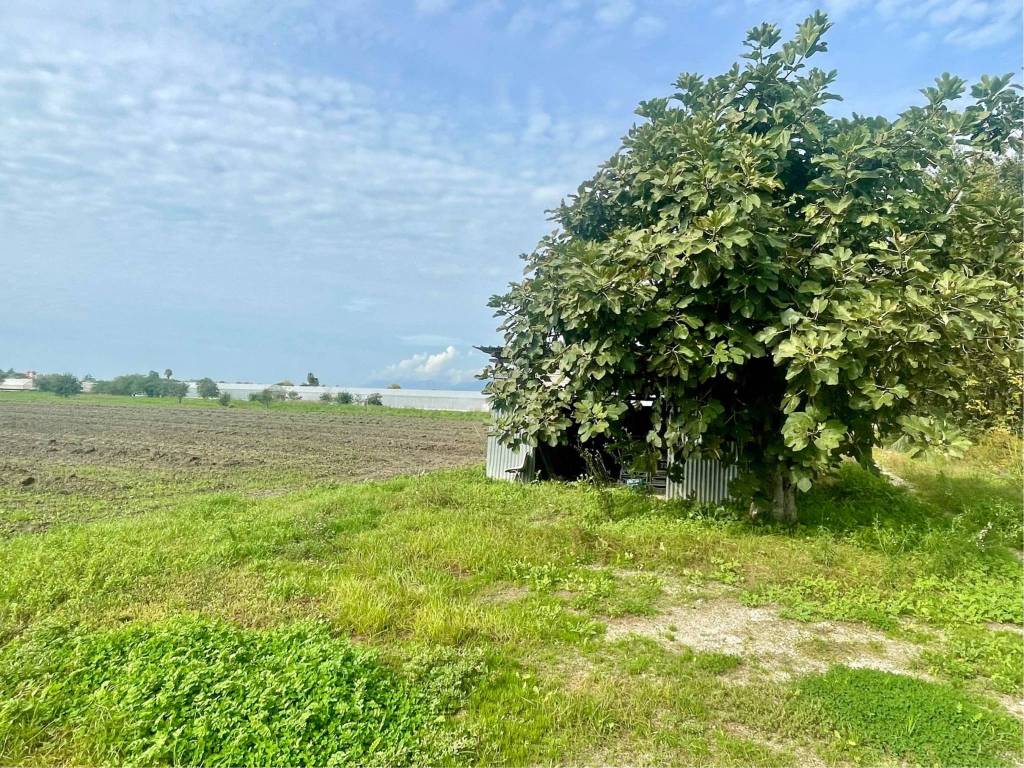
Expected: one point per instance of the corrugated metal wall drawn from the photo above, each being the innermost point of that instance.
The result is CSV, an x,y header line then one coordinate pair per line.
x,y
504,463
703,480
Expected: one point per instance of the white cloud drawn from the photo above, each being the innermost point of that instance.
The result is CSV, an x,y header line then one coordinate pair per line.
x,y
427,339
432,7
359,305
549,195
965,23
612,13
538,126
449,365
648,27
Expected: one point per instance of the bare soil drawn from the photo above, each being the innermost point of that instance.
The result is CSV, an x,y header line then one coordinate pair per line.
x,y
76,461
779,647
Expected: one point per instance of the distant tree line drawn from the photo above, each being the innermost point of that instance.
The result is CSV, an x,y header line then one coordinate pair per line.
x,y
153,385
149,384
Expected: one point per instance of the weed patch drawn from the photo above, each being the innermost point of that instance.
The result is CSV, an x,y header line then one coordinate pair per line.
x,y
920,722
986,593
977,653
188,691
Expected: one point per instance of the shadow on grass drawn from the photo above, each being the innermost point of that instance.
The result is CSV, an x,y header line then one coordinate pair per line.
x,y
975,510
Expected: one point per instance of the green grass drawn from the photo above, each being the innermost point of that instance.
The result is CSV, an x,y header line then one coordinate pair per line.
x,y
485,605
914,720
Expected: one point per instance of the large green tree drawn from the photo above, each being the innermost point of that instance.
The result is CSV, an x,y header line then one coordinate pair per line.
x,y
769,279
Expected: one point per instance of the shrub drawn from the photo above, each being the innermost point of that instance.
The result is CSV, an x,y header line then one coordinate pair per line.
x,y
224,399
910,719
374,399
293,395
326,397
266,396
173,388
344,398
194,692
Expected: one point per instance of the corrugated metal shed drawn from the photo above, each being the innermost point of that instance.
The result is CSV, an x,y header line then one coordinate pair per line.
x,y
702,480
504,463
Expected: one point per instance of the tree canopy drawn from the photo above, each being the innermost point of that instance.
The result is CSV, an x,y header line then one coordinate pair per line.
x,y
63,384
758,276
207,387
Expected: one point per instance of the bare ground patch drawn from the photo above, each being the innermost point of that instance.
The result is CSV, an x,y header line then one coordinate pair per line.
x,y
779,647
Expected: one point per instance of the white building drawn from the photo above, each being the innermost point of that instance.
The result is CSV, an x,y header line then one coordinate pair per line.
x,y
19,385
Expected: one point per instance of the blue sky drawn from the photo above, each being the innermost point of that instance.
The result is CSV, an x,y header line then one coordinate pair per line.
x,y
252,189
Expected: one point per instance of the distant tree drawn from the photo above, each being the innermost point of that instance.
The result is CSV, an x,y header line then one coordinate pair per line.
x,y
326,397
207,387
343,398
168,373
311,380
153,386
265,397
224,399
178,389
394,386
374,399
63,384
284,383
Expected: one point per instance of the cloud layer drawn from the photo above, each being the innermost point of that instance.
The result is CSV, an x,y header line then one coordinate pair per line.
x,y
252,188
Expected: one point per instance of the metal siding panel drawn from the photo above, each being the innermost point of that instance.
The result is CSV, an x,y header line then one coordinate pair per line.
x,y
503,462
704,480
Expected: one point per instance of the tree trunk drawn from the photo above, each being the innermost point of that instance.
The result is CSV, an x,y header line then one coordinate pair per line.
x,y
865,457
784,500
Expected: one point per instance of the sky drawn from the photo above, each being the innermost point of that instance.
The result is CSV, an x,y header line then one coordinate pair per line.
x,y
254,189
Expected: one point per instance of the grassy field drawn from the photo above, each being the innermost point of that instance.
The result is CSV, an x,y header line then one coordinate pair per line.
x,y
446,619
